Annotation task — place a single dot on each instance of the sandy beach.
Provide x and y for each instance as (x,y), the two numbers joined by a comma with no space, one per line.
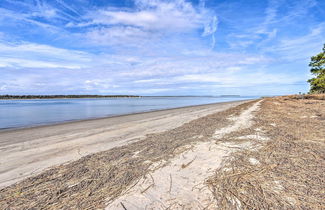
(28,151)
(260,154)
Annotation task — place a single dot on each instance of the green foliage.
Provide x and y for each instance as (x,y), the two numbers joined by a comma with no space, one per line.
(317,64)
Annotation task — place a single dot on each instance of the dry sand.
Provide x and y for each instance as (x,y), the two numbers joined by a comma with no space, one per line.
(26,152)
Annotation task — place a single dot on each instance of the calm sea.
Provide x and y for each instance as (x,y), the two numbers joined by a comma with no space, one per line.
(26,113)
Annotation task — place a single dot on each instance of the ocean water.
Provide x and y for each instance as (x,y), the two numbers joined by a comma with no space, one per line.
(28,113)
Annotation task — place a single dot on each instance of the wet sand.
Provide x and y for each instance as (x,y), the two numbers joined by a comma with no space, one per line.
(28,151)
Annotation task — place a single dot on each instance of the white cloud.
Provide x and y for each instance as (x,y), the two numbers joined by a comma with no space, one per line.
(210,30)
(168,17)
(8,16)
(100,84)
(223,80)
(148,91)
(41,56)
(42,9)
(173,16)
(118,35)
(191,63)
(3,87)
(150,19)
(301,47)
(21,63)
(141,81)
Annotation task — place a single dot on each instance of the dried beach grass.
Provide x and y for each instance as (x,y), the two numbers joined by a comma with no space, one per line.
(285,172)
(308,96)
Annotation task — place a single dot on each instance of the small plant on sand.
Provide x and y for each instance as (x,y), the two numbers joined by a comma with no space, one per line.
(317,64)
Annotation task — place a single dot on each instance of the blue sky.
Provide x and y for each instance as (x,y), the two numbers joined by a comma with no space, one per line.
(157,47)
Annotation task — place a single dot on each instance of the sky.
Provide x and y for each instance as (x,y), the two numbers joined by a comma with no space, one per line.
(159,47)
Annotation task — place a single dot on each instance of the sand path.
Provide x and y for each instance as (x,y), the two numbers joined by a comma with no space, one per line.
(180,184)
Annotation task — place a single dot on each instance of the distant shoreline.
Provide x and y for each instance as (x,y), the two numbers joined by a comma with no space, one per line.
(20,97)
(8,97)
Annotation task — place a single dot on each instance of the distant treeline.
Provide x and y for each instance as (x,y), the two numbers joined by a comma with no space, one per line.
(63,96)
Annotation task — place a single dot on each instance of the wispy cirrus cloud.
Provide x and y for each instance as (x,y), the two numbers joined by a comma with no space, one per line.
(300,47)
(277,18)
(32,55)
(148,20)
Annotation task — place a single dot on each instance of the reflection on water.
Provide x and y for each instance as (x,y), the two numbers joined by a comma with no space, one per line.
(22,113)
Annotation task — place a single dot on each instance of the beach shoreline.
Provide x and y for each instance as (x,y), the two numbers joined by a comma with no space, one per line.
(9,129)
(28,151)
